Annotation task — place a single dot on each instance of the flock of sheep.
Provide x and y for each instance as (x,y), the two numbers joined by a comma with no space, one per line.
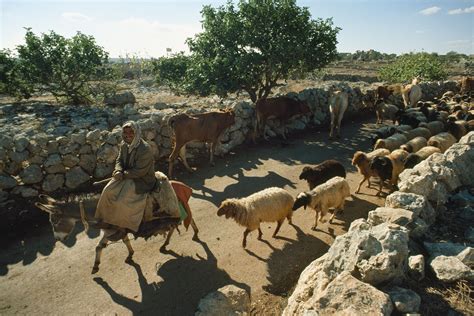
(424,128)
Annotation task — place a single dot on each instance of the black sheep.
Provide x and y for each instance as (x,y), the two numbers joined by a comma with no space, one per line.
(322,172)
(383,167)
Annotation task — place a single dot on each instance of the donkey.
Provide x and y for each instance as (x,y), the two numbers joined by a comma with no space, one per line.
(63,216)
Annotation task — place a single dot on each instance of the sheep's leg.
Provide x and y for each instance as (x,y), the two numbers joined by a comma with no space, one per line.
(195,229)
(324,211)
(182,154)
(340,207)
(360,184)
(278,227)
(289,218)
(315,221)
(260,234)
(244,241)
(127,243)
(380,188)
(98,252)
(167,241)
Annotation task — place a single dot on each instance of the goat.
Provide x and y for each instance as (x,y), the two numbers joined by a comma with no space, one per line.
(362,161)
(411,94)
(382,167)
(338,103)
(385,111)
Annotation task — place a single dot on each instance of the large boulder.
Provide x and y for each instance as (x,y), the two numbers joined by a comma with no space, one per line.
(75,177)
(53,182)
(451,269)
(228,300)
(31,174)
(404,300)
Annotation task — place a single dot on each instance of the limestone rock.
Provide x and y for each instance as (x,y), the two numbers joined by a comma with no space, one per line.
(416,267)
(451,269)
(228,300)
(53,182)
(404,300)
(31,174)
(75,177)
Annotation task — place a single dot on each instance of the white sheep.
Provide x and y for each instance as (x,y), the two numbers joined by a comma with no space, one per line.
(391,143)
(269,205)
(442,140)
(398,157)
(332,193)
(414,144)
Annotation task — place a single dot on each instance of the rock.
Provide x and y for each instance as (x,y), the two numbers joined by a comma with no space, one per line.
(7,182)
(103,170)
(120,99)
(69,148)
(376,253)
(86,149)
(404,300)
(79,138)
(70,161)
(87,162)
(62,140)
(345,295)
(467,139)
(21,143)
(25,192)
(3,196)
(397,216)
(107,154)
(418,204)
(228,300)
(93,136)
(469,234)
(31,174)
(451,269)
(460,158)
(467,257)
(53,182)
(52,147)
(416,267)
(75,177)
(6,141)
(19,156)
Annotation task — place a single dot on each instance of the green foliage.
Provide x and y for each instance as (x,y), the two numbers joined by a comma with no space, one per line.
(171,71)
(407,66)
(134,67)
(67,68)
(252,46)
(10,80)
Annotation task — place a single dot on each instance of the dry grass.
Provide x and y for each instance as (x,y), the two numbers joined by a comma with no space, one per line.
(459,296)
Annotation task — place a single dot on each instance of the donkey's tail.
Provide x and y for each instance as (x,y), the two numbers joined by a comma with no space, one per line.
(83,216)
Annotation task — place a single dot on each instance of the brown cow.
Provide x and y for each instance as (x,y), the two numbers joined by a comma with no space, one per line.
(466,85)
(383,92)
(282,108)
(204,127)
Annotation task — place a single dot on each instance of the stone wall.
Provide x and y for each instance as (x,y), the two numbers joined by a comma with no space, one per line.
(44,148)
(373,256)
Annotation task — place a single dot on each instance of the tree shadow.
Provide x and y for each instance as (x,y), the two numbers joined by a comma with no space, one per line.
(177,294)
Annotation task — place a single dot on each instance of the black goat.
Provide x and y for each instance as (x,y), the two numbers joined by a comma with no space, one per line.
(322,172)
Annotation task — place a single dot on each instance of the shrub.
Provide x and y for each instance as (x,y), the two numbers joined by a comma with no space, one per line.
(427,66)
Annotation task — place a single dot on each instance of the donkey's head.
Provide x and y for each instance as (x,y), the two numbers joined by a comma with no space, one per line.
(62,224)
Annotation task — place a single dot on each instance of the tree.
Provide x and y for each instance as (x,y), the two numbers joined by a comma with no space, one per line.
(10,80)
(64,67)
(253,46)
(407,66)
(171,71)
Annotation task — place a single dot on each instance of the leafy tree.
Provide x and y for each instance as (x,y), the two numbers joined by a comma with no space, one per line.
(408,66)
(67,68)
(171,71)
(254,44)
(10,80)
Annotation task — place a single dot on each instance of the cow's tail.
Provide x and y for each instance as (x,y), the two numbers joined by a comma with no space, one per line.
(83,215)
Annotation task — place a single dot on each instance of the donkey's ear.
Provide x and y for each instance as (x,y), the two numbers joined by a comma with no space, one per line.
(46,199)
(45,207)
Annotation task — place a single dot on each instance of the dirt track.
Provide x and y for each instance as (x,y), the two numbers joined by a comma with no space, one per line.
(41,276)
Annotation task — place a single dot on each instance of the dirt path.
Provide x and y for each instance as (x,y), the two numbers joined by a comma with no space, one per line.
(43,277)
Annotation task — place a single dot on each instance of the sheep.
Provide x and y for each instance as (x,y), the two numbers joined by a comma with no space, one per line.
(385,111)
(469,126)
(330,194)
(414,158)
(398,158)
(416,132)
(414,144)
(412,118)
(403,128)
(362,161)
(435,127)
(383,132)
(322,172)
(457,128)
(442,140)
(381,167)
(269,205)
(391,143)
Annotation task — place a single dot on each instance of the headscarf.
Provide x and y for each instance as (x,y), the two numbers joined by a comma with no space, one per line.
(137,131)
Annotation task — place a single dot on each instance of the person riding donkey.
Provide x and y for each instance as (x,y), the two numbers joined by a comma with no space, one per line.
(123,200)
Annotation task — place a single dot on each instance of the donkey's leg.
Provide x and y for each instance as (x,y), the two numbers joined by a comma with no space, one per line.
(98,251)
(127,243)
(167,241)
(195,229)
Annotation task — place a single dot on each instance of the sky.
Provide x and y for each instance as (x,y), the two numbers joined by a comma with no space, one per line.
(146,28)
